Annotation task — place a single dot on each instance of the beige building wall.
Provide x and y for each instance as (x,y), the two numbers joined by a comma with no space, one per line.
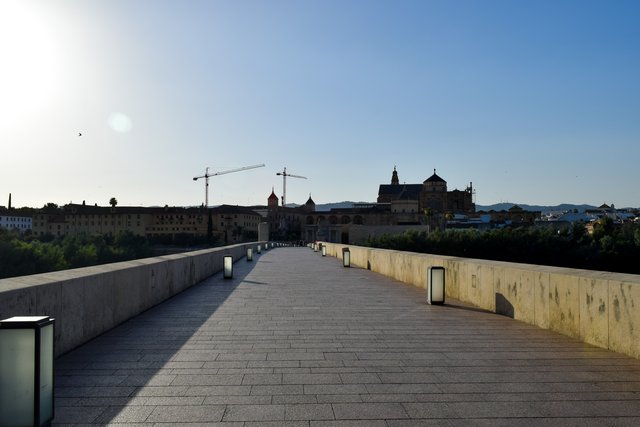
(78,219)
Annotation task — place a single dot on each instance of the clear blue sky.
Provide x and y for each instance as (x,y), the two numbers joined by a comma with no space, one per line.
(534,101)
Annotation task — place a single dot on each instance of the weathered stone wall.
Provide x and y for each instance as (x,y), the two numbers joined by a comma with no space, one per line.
(599,308)
(87,302)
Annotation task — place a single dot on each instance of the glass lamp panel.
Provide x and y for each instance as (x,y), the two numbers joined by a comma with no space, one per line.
(17,372)
(437,284)
(228,267)
(46,373)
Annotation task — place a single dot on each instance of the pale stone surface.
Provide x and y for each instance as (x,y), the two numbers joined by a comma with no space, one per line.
(482,285)
(541,298)
(564,306)
(455,284)
(624,317)
(592,306)
(518,289)
(296,339)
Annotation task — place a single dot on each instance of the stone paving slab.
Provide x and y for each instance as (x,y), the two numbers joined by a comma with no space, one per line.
(295,339)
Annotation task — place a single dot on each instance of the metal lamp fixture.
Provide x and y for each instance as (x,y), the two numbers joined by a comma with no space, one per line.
(227,267)
(315,247)
(346,257)
(435,285)
(324,250)
(249,254)
(26,371)
(259,249)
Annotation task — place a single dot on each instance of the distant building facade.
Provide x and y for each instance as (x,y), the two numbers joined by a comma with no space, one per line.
(233,223)
(15,221)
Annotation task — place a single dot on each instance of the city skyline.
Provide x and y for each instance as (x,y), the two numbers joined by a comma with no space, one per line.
(532,102)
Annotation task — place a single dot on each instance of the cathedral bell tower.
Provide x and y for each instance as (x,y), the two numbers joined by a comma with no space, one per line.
(272,201)
(394,177)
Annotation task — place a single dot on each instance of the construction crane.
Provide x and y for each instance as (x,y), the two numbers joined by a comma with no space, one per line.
(208,175)
(284,184)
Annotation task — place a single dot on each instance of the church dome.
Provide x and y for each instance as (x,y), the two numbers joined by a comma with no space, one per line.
(434,178)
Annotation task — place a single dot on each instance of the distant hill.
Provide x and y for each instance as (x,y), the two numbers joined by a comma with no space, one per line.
(325,207)
(561,207)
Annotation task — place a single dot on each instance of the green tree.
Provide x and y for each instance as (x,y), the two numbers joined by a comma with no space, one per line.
(50,208)
(602,227)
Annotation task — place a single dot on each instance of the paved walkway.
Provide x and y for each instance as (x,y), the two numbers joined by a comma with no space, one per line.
(295,339)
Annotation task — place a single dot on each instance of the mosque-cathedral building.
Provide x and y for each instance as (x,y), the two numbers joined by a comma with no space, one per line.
(431,195)
(398,207)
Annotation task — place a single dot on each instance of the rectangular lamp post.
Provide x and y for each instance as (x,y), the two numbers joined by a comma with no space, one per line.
(346,257)
(249,254)
(435,285)
(259,249)
(315,247)
(227,267)
(26,371)
(324,250)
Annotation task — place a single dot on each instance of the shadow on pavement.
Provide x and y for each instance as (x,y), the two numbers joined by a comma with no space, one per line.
(98,380)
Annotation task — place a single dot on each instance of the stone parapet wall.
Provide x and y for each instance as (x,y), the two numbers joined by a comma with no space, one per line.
(598,308)
(87,302)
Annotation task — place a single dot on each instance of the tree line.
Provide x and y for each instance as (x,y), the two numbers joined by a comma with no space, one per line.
(24,255)
(611,247)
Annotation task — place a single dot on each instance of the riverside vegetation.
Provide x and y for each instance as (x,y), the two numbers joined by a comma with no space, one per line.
(24,255)
(611,247)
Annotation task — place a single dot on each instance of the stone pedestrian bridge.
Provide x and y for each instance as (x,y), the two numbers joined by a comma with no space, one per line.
(295,339)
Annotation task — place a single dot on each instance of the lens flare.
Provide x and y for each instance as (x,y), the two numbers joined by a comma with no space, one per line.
(120,122)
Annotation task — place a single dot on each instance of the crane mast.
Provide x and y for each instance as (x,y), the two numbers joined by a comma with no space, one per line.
(208,175)
(284,184)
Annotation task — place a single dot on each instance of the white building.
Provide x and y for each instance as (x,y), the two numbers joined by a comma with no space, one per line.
(15,222)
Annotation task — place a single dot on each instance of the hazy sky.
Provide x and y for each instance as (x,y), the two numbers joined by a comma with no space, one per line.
(534,101)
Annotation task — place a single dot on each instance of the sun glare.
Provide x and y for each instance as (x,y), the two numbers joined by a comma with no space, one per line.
(29,63)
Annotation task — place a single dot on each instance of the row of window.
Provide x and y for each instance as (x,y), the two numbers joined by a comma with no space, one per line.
(21,226)
(14,219)
(70,217)
(246,224)
(99,223)
(164,229)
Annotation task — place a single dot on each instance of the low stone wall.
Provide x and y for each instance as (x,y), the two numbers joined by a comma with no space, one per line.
(87,302)
(596,307)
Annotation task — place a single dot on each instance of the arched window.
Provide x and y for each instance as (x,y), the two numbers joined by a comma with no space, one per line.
(358,220)
(333,220)
(309,220)
(345,219)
